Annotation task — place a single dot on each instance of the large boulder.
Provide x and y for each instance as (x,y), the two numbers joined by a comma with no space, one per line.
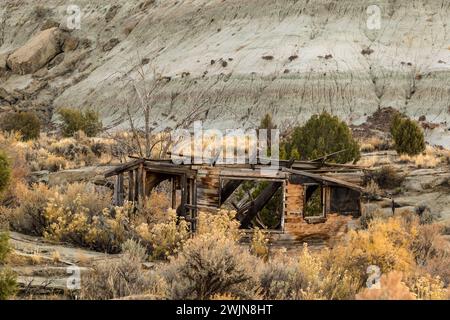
(36,53)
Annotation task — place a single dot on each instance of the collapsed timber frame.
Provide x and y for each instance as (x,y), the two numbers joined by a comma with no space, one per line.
(197,188)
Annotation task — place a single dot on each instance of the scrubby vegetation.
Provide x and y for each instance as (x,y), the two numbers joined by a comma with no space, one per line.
(76,120)
(386,177)
(220,261)
(213,264)
(117,279)
(25,123)
(8,284)
(5,171)
(321,135)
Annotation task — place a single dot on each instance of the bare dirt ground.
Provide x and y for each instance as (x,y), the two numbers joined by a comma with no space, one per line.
(44,267)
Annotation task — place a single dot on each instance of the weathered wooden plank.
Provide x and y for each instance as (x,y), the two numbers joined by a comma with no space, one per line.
(324,179)
(174,192)
(228,189)
(130,186)
(122,168)
(141,181)
(181,210)
(294,194)
(136,185)
(118,190)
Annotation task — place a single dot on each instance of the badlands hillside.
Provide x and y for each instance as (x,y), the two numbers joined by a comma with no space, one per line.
(226,62)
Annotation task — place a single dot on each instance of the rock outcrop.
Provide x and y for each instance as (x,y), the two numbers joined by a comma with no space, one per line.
(3,65)
(36,53)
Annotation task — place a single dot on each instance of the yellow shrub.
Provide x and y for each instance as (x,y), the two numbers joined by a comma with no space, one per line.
(165,238)
(425,287)
(222,222)
(259,244)
(385,243)
(53,163)
(155,209)
(74,215)
(16,152)
(28,217)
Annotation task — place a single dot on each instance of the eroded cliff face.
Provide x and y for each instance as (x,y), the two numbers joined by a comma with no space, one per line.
(229,62)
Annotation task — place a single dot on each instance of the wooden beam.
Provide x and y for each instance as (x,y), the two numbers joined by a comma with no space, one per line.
(228,189)
(259,203)
(326,180)
(124,167)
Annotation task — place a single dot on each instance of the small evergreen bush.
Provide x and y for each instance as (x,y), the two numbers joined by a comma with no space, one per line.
(26,123)
(408,136)
(76,120)
(321,135)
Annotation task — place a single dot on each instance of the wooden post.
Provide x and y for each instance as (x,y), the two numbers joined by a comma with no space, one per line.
(118,190)
(121,189)
(136,185)
(174,192)
(181,210)
(130,185)
(194,204)
(326,200)
(143,179)
(140,185)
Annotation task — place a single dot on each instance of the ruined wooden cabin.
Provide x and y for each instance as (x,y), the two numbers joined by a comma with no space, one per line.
(196,188)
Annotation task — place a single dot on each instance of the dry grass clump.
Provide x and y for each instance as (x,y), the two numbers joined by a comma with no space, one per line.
(430,158)
(367,162)
(386,177)
(374,144)
(259,244)
(373,188)
(29,216)
(213,263)
(123,277)
(54,154)
(306,278)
